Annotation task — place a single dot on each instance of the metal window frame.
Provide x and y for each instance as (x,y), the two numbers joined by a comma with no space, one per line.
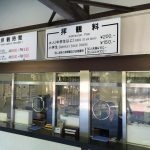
(84,105)
(12,99)
(124,108)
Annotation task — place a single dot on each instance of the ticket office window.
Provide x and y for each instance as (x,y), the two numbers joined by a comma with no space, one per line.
(5,97)
(138,108)
(33,99)
(106,105)
(67,99)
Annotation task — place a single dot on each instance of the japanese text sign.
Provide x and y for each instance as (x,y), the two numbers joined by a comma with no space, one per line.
(18,47)
(93,39)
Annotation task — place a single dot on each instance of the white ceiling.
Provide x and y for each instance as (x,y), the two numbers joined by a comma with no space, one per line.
(94,10)
(20,13)
(128,3)
(125,2)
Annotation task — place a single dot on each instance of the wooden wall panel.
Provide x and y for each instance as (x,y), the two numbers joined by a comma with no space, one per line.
(115,63)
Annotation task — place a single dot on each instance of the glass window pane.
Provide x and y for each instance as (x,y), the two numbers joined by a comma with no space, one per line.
(67,99)
(33,99)
(5,97)
(138,108)
(138,77)
(106,104)
(106,77)
(43,77)
(138,105)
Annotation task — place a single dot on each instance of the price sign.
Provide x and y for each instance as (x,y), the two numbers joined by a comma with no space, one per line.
(18,47)
(91,39)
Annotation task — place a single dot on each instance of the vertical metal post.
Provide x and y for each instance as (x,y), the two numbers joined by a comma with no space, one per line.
(54,101)
(12,98)
(124,108)
(84,105)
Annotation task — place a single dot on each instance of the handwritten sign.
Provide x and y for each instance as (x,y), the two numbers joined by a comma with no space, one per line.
(18,47)
(91,39)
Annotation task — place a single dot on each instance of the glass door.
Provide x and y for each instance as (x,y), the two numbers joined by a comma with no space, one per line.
(106,105)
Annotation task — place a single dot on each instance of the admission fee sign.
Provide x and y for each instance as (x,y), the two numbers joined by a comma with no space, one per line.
(92,39)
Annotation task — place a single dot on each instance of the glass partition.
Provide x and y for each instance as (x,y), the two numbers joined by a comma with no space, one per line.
(67,99)
(106,108)
(5,97)
(33,99)
(138,107)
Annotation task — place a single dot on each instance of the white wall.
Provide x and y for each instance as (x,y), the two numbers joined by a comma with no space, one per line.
(127,3)
(124,2)
(9,141)
(135,34)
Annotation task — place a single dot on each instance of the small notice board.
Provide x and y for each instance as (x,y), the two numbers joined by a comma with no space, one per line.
(18,47)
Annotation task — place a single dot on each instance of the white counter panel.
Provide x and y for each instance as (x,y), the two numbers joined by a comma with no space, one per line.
(10,141)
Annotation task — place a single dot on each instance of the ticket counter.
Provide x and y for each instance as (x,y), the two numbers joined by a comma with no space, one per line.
(53,101)
(51,104)
(78,106)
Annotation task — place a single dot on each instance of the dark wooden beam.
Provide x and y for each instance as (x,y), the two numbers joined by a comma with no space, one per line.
(87,9)
(106,14)
(116,12)
(32,27)
(65,9)
(100,4)
(79,12)
(141,7)
(115,63)
(52,17)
